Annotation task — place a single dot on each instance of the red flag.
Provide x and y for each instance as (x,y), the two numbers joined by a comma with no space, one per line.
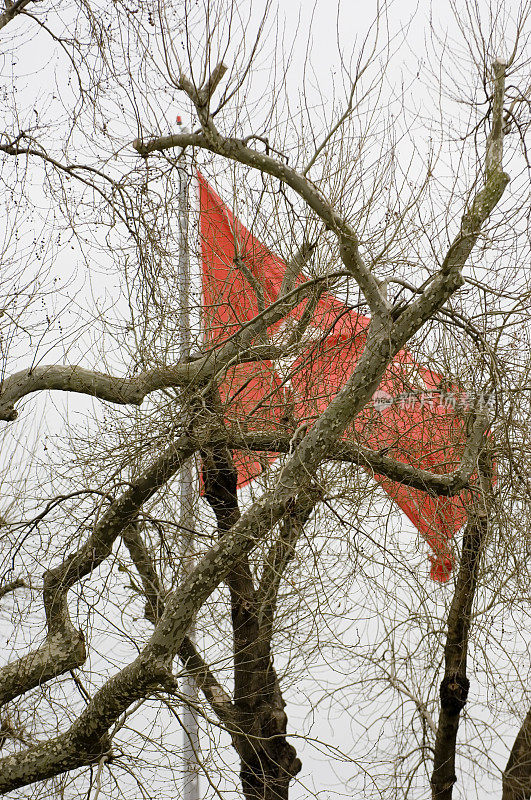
(251,393)
(411,415)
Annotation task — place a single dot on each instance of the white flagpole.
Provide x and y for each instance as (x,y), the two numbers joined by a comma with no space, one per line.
(190,747)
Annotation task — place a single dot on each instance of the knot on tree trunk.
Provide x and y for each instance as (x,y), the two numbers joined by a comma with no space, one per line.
(273,721)
(268,774)
(268,762)
(454,693)
(93,748)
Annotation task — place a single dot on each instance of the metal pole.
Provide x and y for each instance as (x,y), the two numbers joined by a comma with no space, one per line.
(187,493)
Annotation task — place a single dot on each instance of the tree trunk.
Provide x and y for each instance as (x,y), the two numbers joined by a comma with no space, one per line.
(455,684)
(517,775)
(267,761)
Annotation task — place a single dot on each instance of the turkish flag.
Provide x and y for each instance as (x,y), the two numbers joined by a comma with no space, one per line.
(412,414)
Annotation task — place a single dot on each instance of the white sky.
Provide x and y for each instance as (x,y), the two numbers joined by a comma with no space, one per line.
(328,780)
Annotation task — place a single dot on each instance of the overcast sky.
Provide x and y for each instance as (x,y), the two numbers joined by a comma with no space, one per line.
(329,721)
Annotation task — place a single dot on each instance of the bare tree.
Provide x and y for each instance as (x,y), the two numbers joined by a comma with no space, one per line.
(418,226)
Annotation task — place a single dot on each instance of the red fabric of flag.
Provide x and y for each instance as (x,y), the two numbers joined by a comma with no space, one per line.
(252,394)
(411,416)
